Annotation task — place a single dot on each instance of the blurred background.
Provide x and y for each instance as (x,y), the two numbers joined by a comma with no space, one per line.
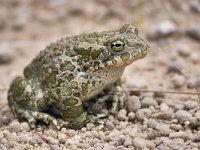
(170,27)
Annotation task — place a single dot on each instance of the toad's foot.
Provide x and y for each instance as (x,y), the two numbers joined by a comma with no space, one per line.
(33,116)
(119,97)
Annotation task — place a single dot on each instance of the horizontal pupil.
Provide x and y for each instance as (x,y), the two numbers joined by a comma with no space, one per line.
(117,45)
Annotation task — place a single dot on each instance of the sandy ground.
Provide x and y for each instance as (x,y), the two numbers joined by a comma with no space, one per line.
(156,121)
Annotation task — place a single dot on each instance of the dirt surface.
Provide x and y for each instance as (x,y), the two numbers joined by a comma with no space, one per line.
(156,121)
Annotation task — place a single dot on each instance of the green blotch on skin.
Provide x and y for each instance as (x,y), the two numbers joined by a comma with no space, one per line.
(58,52)
(29,95)
(135,53)
(23,103)
(69,52)
(91,40)
(19,86)
(52,77)
(71,101)
(94,83)
(66,65)
(125,56)
(114,62)
(41,103)
(95,53)
(73,112)
(84,88)
(70,77)
(74,85)
(77,125)
(82,51)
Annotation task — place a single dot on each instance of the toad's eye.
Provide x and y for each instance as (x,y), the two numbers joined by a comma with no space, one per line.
(117,45)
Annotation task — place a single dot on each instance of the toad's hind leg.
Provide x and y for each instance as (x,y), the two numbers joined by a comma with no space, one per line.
(26,100)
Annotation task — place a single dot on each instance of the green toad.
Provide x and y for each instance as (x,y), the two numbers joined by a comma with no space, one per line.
(73,70)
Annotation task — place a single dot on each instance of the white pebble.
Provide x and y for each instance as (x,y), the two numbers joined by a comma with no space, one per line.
(15,126)
(151,123)
(178,81)
(24,138)
(150,144)
(101,135)
(184,50)
(122,115)
(190,104)
(62,137)
(143,113)
(131,116)
(89,126)
(148,101)
(182,116)
(128,142)
(133,104)
(139,143)
(180,134)
(164,107)
(25,126)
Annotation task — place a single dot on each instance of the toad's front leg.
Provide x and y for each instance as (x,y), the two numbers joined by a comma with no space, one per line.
(119,96)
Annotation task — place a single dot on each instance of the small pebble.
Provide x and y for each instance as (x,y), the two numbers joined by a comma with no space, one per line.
(128,142)
(180,134)
(89,126)
(148,101)
(143,113)
(162,29)
(24,138)
(133,104)
(71,132)
(131,116)
(62,137)
(150,144)
(178,81)
(120,139)
(195,57)
(195,121)
(182,116)
(101,135)
(164,107)
(15,126)
(175,127)
(139,143)
(6,54)
(190,104)
(194,32)
(184,50)
(24,126)
(109,125)
(151,123)
(122,115)
(152,134)
(167,114)
(164,130)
